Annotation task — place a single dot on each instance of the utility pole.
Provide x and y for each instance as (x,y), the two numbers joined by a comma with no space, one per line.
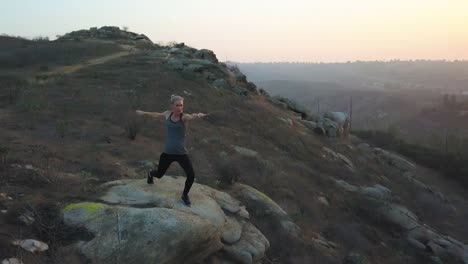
(318,106)
(350,112)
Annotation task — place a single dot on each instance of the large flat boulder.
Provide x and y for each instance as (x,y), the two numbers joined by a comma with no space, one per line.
(139,223)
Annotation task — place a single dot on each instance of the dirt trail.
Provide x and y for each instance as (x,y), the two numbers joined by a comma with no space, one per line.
(73,68)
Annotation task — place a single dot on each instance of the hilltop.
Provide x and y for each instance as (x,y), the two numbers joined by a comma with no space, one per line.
(68,125)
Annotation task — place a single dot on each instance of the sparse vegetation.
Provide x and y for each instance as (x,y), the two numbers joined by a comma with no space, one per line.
(453,163)
(132,126)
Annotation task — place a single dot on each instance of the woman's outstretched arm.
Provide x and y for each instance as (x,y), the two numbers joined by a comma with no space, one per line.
(187,117)
(156,115)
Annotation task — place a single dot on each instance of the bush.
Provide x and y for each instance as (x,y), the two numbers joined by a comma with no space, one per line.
(132,128)
(229,173)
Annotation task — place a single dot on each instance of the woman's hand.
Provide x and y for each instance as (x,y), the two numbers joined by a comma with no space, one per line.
(139,112)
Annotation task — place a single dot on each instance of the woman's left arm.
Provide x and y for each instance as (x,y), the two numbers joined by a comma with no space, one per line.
(187,117)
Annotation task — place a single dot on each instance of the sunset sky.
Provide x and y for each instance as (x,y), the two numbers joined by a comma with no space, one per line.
(265,30)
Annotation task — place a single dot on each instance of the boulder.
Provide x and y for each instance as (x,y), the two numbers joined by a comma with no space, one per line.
(245,151)
(12,261)
(338,117)
(189,65)
(394,160)
(221,84)
(418,235)
(261,205)
(205,54)
(294,106)
(31,245)
(141,223)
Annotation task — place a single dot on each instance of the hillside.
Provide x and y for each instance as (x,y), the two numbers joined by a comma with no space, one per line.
(68,125)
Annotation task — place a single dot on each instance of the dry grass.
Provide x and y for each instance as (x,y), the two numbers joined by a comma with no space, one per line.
(79,130)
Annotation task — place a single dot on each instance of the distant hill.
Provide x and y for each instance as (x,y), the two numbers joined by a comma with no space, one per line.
(393,75)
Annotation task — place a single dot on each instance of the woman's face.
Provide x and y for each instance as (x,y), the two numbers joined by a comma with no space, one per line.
(178,106)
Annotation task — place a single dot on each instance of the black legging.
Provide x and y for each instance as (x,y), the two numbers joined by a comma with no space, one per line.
(165,161)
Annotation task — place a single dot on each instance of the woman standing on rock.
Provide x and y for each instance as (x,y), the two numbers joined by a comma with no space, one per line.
(174,148)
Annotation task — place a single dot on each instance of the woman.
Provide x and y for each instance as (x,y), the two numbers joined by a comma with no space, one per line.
(174,148)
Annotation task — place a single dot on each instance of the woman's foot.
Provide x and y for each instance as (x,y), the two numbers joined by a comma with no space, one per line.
(186,200)
(149,178)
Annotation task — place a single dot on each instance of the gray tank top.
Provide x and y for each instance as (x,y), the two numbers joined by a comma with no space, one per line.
(175,137)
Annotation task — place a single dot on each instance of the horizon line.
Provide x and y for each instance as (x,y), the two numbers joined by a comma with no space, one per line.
(349,61)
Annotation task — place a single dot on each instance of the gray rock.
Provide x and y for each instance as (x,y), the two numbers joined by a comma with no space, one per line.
(210,76)
(419,235)
(332,128)
(12,261)
(176,64)
(250,248)
(416,244)
(194,68)
(182,52)
(189,65)
(294,106)
(105,32)
(239,90)
(338,117)
(205,54)
(245,151)
(377,192)
(238,75)
(323,200)
(309,124)
(399,215)
(141,223)
(221,84)
(288,121)
(261,205)
(346,186)
(394,160)
(346,160)
(232,231)
(31,245)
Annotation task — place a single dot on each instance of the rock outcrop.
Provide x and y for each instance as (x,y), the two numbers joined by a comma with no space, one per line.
(104,33)
(140,223)
(265,208)
(204,62)
(418,235)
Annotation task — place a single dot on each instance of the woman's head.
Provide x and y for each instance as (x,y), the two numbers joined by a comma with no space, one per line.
(177,103)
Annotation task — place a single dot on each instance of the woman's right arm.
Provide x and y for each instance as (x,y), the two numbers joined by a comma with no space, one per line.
(153,114)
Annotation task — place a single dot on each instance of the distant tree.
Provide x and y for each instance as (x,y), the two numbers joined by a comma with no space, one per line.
(41,38)
(125,28)
(393,131)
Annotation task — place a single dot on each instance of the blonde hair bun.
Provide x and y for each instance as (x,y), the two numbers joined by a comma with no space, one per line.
(175,98)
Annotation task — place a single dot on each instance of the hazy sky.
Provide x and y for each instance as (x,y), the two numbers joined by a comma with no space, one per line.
(265,30)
